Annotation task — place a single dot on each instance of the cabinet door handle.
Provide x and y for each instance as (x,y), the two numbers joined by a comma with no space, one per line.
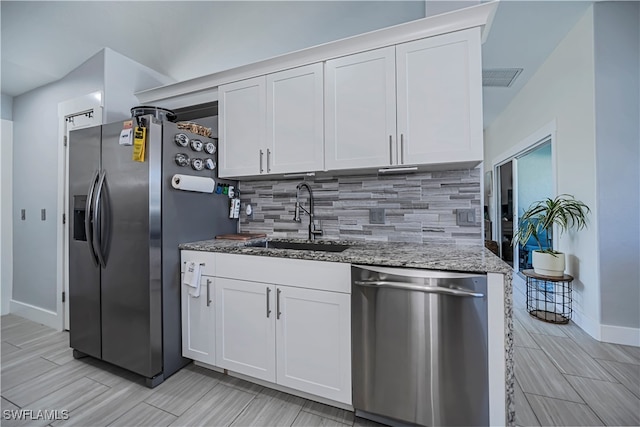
(268,160)
(268,298)
(208,293)
(278,304)
(401,149)
(390,150)
(261,154)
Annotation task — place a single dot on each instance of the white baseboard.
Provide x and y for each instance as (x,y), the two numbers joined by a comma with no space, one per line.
(620,335)
(587,324)
(35,314)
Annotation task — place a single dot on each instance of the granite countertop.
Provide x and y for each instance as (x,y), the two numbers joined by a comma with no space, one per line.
(432,256)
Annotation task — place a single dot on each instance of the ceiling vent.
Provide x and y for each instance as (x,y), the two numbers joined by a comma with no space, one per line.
(500,77)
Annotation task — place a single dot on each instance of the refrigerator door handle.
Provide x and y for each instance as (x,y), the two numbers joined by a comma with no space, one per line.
(97,238)
(88,218)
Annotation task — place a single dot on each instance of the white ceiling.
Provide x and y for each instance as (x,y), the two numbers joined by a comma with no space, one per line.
(43,41)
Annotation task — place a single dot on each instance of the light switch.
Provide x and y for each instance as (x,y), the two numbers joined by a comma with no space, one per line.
(376,216)
(466,217)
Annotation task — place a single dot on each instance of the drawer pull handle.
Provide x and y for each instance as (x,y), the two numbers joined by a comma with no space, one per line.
(278,313)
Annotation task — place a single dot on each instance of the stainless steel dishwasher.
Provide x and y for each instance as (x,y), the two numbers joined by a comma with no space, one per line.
(419,346)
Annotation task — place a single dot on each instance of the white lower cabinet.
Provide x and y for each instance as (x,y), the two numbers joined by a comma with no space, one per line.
(245,338)
(266,318)
(198,323)
(313,342)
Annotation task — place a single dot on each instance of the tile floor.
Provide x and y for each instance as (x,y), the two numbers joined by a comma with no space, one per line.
(564,377)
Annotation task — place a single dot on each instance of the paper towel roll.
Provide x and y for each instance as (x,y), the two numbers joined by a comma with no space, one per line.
(199,184)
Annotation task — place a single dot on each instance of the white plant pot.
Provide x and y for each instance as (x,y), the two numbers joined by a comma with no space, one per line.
(547,264)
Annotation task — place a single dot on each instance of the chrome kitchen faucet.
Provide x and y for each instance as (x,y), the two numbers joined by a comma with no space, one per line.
(313,231)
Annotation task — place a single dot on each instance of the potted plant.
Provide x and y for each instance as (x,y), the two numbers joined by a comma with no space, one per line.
(537,223)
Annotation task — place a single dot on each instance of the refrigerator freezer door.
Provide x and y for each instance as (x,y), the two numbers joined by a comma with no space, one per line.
(84,272)
(130,241)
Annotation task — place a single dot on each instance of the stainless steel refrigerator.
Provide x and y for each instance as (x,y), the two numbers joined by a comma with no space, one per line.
(126,221)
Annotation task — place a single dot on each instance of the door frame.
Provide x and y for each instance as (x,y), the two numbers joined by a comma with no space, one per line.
(546,133)
(92,102)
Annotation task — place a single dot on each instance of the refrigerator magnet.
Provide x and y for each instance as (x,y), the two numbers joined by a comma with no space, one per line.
(126,137)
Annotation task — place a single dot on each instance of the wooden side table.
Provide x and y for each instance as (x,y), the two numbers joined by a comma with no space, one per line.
(548,297)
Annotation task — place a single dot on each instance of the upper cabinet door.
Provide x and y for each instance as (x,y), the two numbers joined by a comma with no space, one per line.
(440,99)
(360,110)
(241,120)
(295,122)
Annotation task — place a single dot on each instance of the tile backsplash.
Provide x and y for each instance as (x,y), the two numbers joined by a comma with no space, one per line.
(418,208)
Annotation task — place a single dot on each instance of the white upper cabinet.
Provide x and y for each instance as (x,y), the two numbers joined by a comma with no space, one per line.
(241,121)
(360,110)
(295,122)
(417,103)
(272,124)
(439,98)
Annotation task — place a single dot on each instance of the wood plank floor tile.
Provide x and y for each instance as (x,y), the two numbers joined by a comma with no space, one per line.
(19,373)
(628,374)
(240,384)
(270,408)
(307,419)
(9,320)
(522,337)
(26,333)
(110,375)
(6,405)
(179,392)
(219,407)
(330,412)
(67,398)
(634,352)
(44,346)
(613,403)
(60,357)
(7,349)
(533,325)
(524,414)
(538,375)
(108,407)
(554,412)
(144,415)
(571,359)
(597,349)
(36,388)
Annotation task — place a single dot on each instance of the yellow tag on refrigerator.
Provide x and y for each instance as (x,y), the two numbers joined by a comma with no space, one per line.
(139,139)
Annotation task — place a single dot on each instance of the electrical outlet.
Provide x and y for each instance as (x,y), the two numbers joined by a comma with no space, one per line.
(466,217)
(376,216)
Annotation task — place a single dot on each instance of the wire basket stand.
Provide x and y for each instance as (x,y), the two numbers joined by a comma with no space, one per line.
(549,298)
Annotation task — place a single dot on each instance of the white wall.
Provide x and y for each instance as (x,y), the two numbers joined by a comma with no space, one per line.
(35,182)
(563,90)
(6,109)
(6,221)
(617,78)
(124,77)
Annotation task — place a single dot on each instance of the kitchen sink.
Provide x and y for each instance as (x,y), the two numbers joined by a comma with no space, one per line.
(300,246)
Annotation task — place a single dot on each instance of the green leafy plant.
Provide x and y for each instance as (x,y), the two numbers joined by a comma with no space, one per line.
(564,211)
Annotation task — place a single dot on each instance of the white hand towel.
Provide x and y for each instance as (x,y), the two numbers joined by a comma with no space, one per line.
(192,278)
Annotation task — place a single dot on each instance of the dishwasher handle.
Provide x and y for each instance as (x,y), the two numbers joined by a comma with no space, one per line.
(421,288)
